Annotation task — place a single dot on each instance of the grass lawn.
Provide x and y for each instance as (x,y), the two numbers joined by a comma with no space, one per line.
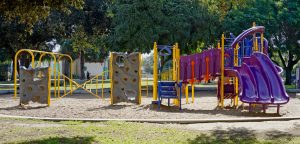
(69,132)
(290,86)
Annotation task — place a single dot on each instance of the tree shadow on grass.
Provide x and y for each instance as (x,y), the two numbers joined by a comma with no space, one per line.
(277,135)
(241,136)
(230,136)
(62,140)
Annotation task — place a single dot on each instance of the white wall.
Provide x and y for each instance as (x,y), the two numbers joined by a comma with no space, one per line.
(93,68)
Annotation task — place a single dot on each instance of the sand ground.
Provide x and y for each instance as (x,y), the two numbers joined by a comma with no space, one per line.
(88,106)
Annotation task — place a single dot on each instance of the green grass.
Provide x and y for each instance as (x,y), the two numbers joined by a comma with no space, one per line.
(290,86)
(6,82)
(111,132)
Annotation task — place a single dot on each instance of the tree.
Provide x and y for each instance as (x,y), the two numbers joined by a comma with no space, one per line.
(282,21)
(29,12)
(87,30)
(25,24)
(217,19)
(14,37)
(286,34)
(138,23)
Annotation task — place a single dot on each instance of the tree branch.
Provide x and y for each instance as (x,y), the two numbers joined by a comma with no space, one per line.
(281,59)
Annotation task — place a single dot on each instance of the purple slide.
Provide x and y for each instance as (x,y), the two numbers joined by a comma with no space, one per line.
(260,81)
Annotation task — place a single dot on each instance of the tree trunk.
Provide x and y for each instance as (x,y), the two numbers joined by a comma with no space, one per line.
(82,75)
(24,61)
(288,75)
(66,68)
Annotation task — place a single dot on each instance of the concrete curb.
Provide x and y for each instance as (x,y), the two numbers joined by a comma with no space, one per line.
(159,121)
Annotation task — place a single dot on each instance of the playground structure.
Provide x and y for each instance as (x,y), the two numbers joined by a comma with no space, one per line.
(125,77)
(35,82)
(35,89)
(56,57)
(166,87)
(240,64)
(243,68)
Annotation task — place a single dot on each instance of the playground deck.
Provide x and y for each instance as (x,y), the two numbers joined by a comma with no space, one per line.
(87,106)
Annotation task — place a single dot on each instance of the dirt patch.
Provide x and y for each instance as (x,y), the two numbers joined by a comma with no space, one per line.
(87,106)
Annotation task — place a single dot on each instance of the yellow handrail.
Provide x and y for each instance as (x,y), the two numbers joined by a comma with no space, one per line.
(43,53)
(15,68)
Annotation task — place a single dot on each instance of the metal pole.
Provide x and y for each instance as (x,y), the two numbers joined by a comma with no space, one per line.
(222,71)
(155,71)
(262,42)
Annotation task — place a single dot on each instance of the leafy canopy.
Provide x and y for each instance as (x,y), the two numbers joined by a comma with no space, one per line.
(31,11)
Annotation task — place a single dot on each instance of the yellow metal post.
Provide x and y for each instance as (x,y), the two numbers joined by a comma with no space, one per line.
(236,79)
(178,62)
(187,93)
(222,71)
(65,88)
(236,91)
(193,93)
(254,38)
(49,86)
(219,45)
(155,78)
(177,65)
(236,55)
(174,63)
(58,85)
(256,44)
(262,41)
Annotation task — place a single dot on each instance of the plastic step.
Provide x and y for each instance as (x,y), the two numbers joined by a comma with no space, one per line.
(168,88)
(168,93)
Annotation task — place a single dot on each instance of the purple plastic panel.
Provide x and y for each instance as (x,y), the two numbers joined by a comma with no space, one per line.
(198,62)
(203,65)
(249,93)
(183,68)
(200,67)
(189,67)
(211,61)
(229,54)
(277,88)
